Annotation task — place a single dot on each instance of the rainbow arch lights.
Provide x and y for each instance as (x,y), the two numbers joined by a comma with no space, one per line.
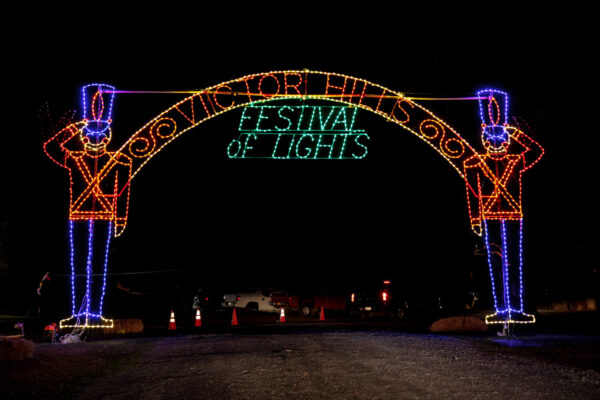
(101,179)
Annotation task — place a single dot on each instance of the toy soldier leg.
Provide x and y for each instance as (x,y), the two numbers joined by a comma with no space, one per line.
(504,251)
(102,234)
(513,259)
(494,246)
(513,233)
(89,242)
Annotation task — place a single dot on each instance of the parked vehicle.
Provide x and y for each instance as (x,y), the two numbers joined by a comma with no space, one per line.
(207,299)
(252,299)
(377,300)
(384,300)
(306,303)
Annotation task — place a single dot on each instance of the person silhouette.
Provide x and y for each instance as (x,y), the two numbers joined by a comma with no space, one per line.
(493,182)
(99,186)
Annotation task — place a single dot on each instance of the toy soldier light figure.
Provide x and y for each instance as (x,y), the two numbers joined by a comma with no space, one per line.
(99,195)
(494,200)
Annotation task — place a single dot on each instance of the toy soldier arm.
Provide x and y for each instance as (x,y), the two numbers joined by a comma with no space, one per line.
(122,193)
(533,151)
(471,169)
(54,147)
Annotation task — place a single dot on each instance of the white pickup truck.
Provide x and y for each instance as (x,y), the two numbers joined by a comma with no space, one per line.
(252,299)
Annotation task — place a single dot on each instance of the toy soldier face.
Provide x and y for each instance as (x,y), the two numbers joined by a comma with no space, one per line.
(495,139)
(95,140)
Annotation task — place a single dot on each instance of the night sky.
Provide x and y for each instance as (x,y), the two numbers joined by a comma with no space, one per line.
(400,213)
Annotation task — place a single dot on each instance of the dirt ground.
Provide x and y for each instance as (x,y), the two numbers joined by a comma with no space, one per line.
(311,364)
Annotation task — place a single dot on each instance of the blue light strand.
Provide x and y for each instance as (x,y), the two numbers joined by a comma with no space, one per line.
(100,87)
(490,94)
(487,247)
(521,264)
(72,267)
(490,130)
(89,267)
(505,267)
(105,266)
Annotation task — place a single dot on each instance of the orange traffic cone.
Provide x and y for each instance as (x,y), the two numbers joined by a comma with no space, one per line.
(322,316)
(198,323)
(234,320)
(172,326)
(282,315)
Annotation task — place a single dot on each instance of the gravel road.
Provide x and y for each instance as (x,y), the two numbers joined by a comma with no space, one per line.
(347,365)
(337,365)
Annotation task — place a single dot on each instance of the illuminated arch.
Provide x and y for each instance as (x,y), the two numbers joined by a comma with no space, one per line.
(394,107)
(295,84)
(496,203)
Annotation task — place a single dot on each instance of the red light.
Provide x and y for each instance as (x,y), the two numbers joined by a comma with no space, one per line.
(238,298)
(384,296)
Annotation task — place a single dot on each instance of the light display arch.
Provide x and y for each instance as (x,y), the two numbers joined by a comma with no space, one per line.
(108,192)
(295,84)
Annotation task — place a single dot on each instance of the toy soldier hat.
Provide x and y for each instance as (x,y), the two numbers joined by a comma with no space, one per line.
(493,107)
(97,106)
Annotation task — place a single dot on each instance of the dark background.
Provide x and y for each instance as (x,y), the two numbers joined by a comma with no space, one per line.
(207,221)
